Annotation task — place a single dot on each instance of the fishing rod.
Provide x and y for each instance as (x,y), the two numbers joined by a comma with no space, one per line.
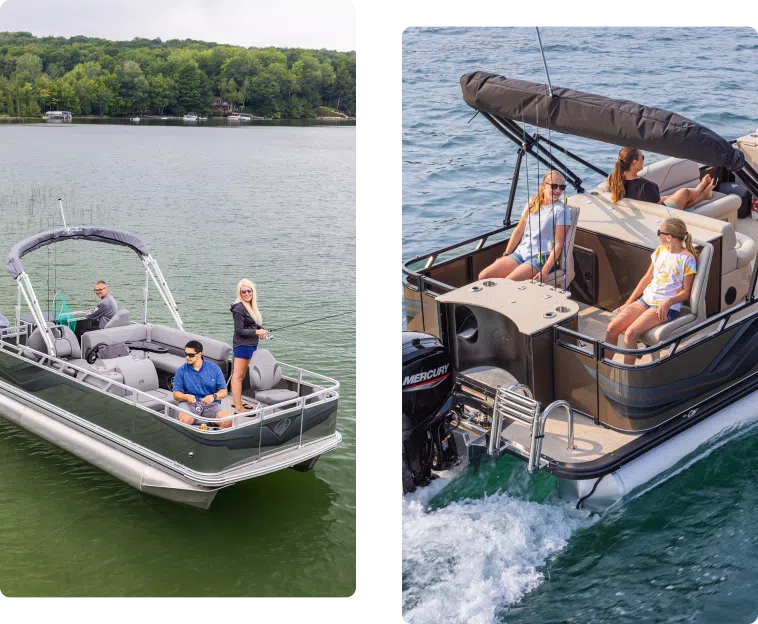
(322,318)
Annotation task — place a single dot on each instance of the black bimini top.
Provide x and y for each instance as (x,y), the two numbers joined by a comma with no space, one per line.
(100,235)
(619,122)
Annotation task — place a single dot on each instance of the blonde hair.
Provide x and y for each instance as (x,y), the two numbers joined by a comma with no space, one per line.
(252,307)
(536,202)
(623,164)
(678,229)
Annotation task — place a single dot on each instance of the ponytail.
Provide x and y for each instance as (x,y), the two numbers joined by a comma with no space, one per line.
(678,228)
(688,245)
(623,164)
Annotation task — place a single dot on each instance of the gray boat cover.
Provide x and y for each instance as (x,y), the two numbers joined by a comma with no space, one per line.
(619,122)
(100,235)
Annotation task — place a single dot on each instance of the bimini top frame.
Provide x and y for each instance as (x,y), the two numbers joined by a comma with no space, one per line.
(99,235)
(506,102)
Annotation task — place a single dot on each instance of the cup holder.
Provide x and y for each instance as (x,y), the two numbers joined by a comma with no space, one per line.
(475,288)
(562,309)
(489,284)
(549,315)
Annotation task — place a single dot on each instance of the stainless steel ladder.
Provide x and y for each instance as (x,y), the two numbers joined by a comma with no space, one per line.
(516,403)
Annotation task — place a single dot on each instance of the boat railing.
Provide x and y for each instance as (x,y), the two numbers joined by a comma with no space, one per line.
(132,395)
(516,403)
(599,349)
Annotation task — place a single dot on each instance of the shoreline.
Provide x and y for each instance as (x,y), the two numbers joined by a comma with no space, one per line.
(173,118)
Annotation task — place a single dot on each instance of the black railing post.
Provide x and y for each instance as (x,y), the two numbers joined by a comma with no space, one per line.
(514,184)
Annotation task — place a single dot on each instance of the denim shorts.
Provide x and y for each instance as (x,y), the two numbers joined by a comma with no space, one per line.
(244,352)
(670,203)
(533,260)
(671,315)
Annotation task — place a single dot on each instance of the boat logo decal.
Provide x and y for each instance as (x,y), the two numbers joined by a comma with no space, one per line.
(427,379)
(282,426)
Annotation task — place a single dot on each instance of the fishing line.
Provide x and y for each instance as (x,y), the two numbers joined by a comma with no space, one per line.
(527,212)
(312,320)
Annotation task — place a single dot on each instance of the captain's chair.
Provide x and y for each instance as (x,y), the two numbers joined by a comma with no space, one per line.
(265,373)
(690,315)
(569,252)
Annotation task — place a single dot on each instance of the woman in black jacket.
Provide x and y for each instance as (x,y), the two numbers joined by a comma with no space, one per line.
(247,331)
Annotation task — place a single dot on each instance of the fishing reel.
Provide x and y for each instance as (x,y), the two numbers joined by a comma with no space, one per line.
(268,336)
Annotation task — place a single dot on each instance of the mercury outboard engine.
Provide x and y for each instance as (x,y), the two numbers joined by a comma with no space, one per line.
(427,403)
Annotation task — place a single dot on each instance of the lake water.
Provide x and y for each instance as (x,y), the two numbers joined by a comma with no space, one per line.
(498,546)
(275,204)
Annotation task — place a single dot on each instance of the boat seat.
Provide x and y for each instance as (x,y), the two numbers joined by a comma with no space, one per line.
(64,340)
(265,373)
(689,315)
(557,275)
(672,174)
(120,319)
(141,375)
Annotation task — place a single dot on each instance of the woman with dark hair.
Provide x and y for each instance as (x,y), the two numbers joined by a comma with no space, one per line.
(624,182)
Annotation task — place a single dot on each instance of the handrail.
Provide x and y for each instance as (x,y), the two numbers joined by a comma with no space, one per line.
(542,419)
(602,346)
(133,393)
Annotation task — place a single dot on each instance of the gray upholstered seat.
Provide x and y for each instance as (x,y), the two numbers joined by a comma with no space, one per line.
(141,374)
(120,319)
(689,315)
(265,373)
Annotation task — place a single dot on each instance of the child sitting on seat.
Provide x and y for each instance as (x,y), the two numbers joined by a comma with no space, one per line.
(659,295)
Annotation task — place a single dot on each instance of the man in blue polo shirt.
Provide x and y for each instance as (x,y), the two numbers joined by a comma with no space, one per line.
(200,386)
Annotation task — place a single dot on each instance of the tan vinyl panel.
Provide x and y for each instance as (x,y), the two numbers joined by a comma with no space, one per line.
(575,379)
(524,303)
(482,259)
(453,272)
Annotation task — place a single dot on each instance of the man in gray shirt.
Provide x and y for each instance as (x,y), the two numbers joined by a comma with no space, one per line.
(106,309)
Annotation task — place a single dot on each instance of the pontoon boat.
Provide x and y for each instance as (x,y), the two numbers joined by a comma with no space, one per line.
(105,395)
(497,366)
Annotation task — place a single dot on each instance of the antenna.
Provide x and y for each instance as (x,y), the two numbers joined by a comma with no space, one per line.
(549,86)
(62,214)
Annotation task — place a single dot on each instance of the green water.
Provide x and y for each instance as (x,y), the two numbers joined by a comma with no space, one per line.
(275,204)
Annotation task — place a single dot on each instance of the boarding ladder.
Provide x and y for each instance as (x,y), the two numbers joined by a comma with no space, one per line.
(516,403)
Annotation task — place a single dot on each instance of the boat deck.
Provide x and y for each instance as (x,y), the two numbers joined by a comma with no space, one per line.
(591,441)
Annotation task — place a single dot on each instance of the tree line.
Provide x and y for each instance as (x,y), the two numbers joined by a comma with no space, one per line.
(90,76)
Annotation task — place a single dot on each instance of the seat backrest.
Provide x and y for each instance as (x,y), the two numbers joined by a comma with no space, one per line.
(37,342)
(139,374)
(133,331)
(177,338)
(569,245)
(265,371)
(670,173)
(697,296)
(120,319)
(67,346)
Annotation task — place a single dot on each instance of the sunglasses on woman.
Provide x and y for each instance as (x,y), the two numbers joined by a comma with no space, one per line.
(555,187)
(246,292)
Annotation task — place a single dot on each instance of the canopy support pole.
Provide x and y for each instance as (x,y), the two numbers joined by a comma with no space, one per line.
(162,287)
(26,289)
(18,310)
(144,293)
(514,184)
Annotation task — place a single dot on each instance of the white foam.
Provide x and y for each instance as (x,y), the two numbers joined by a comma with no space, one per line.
(469,561)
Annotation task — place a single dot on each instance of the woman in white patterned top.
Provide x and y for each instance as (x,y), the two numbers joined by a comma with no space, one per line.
(659,295)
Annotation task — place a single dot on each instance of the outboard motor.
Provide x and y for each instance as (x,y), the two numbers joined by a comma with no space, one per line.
(428,382)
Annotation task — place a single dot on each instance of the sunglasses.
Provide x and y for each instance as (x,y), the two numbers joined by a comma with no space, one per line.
(246,292)
(189,355)
(658,233)
(555,187)
(99,289)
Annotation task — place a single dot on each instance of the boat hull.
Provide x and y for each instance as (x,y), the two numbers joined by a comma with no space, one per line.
(132,470)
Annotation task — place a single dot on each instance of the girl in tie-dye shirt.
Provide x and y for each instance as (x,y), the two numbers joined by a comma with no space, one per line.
(659,295)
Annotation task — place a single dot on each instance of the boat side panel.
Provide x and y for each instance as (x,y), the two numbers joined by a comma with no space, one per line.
(131,426)
(576,377)
(643,397)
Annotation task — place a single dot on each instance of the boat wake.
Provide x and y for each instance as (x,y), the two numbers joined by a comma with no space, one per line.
(470,560)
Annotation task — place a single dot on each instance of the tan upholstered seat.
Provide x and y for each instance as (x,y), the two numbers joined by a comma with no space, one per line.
(672,174)
(569,254)
(689,315)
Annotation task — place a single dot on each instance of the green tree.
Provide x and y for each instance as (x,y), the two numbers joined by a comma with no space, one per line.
(135,90)
(162,92)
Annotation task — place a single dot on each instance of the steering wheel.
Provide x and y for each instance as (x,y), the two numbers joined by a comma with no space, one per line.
(92,353)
